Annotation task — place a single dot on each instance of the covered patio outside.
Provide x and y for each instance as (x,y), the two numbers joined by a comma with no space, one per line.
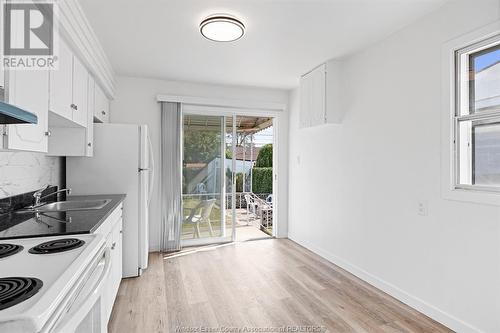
(202,177)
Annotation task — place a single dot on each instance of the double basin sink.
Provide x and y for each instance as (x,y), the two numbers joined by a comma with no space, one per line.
(66,206)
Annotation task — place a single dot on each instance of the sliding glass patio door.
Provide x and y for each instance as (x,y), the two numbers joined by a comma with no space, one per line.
(207,179)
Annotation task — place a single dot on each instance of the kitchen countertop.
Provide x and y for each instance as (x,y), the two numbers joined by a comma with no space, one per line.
(24,225)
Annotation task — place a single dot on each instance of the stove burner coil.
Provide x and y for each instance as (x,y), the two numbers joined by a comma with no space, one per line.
(9,249)
(14,290)
(56,246)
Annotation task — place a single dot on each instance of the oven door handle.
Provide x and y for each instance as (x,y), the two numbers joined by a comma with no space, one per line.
(78,310)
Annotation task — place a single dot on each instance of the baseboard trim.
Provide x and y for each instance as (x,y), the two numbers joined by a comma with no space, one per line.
(401,295)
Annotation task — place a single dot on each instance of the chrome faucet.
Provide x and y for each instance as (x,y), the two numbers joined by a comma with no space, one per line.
(38,195)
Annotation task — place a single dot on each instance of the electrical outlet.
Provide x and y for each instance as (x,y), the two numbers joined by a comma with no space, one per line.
(423,208)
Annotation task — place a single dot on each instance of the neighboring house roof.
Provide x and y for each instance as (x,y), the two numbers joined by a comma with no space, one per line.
(247,153)
(487,87)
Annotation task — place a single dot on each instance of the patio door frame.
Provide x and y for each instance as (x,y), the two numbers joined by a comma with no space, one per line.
(234,112)
(223,238)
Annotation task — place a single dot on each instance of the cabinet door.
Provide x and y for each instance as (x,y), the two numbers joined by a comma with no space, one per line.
(113,283)
(107,299)
(2,98)
(80,82)
(117,258)
(90,116)
(313,98)
(101,111)
(29,89)
(61,94)
(2,78)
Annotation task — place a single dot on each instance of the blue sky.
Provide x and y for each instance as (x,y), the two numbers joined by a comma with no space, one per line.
(486,60)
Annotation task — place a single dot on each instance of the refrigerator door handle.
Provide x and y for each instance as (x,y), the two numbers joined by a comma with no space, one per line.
(152,170)
(143,169)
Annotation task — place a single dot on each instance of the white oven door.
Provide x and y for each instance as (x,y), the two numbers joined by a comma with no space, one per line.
(82,312)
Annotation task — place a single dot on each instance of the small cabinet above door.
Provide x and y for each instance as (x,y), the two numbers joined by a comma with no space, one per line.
(321,95)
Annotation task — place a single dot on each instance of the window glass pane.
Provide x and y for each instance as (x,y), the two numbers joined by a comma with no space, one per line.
(479,153)
(486,154)
(201,176)
(464,158)
(484,87)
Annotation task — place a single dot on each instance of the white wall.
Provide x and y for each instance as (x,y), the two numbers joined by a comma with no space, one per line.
(22,172)
(354,187)
(135,102)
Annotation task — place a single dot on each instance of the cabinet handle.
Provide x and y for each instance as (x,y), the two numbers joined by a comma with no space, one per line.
(89,144)
(73,106)
(121,231)
(103,113)
(113,246)
(48,133)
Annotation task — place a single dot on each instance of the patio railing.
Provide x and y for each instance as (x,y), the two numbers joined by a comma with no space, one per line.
(263,210)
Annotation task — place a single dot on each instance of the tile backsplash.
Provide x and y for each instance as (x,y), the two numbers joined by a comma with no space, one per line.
(22,172)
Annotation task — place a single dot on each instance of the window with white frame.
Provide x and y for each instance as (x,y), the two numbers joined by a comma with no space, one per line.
(477,116)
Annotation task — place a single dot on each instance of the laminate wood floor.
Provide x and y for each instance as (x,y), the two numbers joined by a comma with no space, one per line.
(257,284)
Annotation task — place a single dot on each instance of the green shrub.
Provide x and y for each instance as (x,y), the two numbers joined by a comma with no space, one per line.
(239,182)
(265,157)
(262,180)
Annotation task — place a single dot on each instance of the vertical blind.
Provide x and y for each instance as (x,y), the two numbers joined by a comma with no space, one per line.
(171,178)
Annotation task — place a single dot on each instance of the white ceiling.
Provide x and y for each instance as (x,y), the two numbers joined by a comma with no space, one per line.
(284,39)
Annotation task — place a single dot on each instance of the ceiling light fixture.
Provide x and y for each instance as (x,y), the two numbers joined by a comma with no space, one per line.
(222,28)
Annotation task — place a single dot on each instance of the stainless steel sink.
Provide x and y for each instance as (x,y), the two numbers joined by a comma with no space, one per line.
(64,206)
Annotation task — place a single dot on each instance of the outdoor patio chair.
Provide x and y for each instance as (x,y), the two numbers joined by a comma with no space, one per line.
(252,206)
(269,199)
(201,214)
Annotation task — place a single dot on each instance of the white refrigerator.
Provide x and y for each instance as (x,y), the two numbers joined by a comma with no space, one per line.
(122,163)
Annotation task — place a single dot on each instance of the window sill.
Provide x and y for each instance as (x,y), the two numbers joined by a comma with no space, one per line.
(473,195)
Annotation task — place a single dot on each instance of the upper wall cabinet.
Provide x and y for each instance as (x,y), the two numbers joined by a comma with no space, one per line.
(67,99)
(28,90)
(101,106)
(76,141)
(61,87)
(313,97)
(2,79)
(68,90)
(80,83)
(320,96)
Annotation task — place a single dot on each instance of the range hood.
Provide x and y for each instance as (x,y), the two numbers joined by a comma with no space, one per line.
(10,114)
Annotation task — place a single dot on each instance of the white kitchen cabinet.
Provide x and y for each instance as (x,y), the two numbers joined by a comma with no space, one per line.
(116,270)
(61,86)
(89,143)
(2,98)
(80,89)
(313,97)
(2,78)
(321,96)
(112,230)
(28,90)
(68,91)
(76,141)
(101,105)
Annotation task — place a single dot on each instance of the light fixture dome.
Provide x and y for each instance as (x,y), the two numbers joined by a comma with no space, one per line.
(222,28)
